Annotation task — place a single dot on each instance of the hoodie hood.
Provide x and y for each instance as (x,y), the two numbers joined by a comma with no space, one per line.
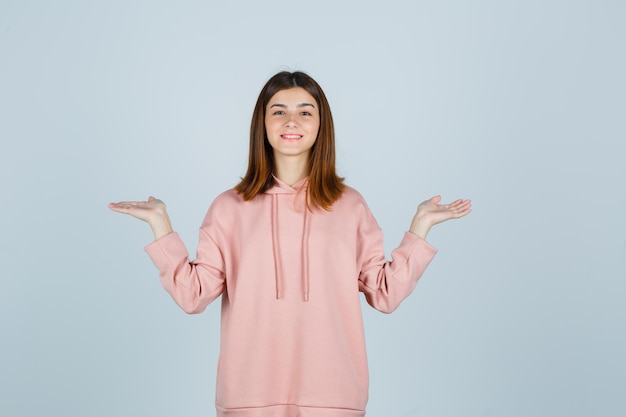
(291,198)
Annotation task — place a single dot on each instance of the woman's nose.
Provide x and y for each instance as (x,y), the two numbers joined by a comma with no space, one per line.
(291,121)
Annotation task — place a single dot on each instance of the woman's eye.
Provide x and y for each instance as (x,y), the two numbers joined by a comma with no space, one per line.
(279,113)
(305,113)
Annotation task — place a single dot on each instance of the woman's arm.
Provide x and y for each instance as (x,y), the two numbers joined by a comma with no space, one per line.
(387,283)
(192,284)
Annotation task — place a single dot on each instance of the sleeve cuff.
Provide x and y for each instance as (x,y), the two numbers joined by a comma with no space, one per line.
(413,240)
(167,251)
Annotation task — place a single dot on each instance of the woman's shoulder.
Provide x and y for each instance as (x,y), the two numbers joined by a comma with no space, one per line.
(351,194)
(351,207)
(223,207)
(228,198)
(351,198)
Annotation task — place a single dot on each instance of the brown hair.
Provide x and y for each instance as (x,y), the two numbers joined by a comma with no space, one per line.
(324,187)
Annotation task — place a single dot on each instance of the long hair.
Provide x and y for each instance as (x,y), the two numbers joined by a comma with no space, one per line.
(324,187)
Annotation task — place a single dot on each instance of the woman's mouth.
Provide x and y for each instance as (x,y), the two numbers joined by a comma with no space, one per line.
(290,138)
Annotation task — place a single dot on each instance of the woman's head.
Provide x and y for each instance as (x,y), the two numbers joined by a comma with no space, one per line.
(292,123)
(325,187)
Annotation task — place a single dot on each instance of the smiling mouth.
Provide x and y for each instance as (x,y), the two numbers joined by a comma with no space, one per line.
(291,138)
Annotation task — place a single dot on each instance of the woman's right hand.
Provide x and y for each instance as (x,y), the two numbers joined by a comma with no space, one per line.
(152,212)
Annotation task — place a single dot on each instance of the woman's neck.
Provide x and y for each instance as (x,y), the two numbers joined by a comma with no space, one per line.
(290,170)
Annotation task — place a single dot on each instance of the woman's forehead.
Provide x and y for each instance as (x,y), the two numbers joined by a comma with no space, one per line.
(292,96)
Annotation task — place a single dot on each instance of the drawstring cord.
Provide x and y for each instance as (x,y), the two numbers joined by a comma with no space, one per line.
(276,251)
(305,254)
(277,266)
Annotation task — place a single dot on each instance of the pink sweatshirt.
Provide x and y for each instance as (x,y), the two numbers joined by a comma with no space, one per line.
(292,340)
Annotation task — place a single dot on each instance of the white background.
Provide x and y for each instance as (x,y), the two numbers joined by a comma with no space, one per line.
(518,105)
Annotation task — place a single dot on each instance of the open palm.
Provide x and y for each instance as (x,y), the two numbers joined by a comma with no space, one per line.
(143,210)
(431,212)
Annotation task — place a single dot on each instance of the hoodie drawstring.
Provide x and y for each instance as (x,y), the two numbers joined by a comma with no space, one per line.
(276,251)
(305,254)
(277,266)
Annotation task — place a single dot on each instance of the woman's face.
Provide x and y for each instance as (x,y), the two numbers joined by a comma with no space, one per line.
(292,121)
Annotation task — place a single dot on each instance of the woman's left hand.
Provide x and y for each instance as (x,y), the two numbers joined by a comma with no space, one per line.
(430,213)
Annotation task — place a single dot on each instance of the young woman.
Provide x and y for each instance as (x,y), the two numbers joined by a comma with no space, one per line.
(289,249)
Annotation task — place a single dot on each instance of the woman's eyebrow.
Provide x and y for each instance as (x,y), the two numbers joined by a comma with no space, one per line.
(298,106)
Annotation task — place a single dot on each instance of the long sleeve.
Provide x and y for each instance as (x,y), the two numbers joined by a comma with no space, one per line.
(387,283)
(192,284)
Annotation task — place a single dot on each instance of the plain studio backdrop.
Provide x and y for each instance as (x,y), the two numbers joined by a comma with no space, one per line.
(518,105)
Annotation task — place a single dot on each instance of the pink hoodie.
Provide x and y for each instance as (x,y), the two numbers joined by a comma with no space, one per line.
(292,340)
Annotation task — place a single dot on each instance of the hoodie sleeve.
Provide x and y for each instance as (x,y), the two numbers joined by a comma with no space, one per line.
(387,283)
(192,284)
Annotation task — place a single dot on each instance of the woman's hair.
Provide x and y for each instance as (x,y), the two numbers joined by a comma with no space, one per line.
(324,186)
